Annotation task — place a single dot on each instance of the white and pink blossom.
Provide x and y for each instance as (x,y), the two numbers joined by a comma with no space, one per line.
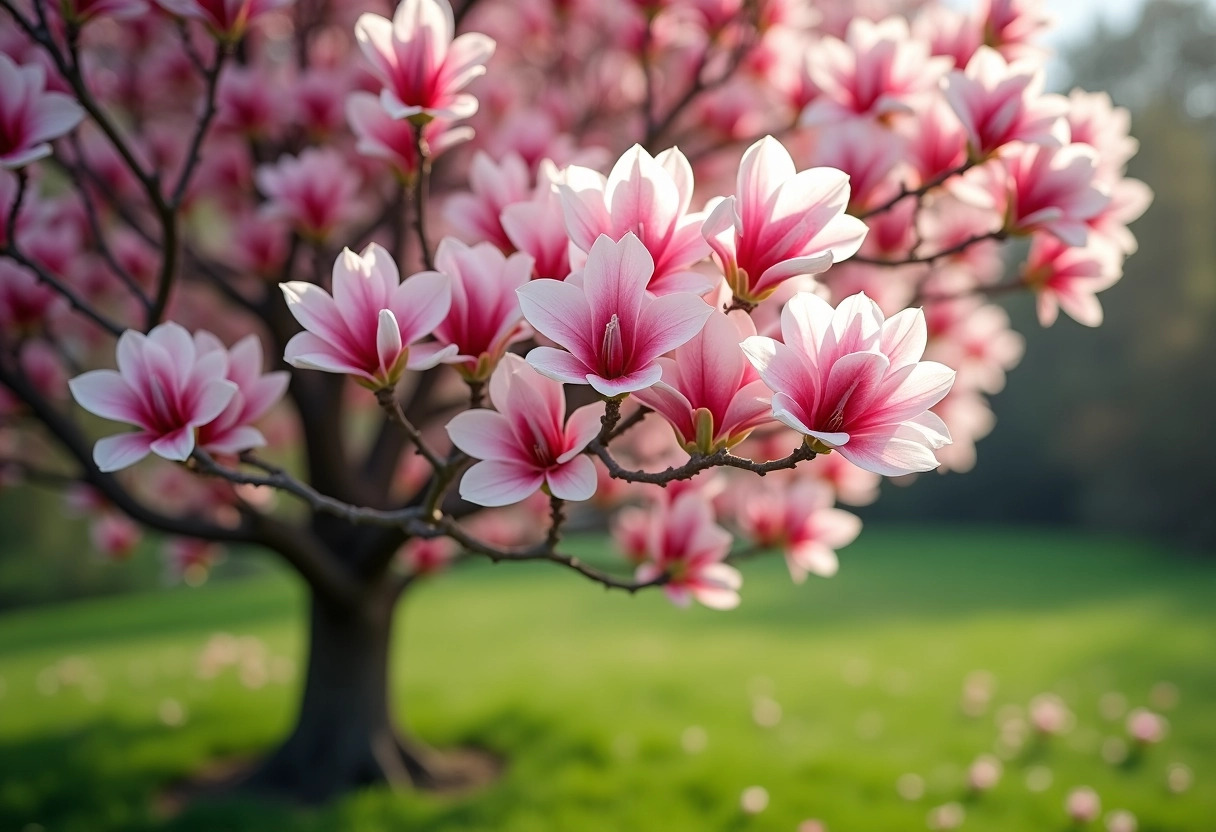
(528,443)
(781,223)
(369,328)
(164,386)
(853,381)
(422,68)
(611,329)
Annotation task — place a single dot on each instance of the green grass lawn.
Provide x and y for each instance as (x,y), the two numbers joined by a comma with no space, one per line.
(620,713)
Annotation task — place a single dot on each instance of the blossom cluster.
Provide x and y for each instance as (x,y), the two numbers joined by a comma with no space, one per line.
(671,239)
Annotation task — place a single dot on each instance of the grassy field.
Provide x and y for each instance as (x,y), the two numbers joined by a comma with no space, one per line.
(619,713)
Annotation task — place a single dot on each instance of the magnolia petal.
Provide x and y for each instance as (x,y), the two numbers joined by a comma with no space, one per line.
(558,310)
(573,480)
(484,434)
(890,451)
(388,340)
(558,365)
(176,446)
(113,453)
(106,394)
(430,354)
(240,438)
(581,428)
(668,322)
(495,482)
(637,380)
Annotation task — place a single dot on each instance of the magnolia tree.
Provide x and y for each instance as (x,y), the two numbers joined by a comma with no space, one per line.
(376,307)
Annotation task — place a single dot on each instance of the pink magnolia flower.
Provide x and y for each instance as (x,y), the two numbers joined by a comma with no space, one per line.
(43,366)
(649,197)
(381,136)
(1129,199)
(1093,119)
(868,153)
(852,485)
(114,535)
(799,518)
(485,316)
(163,386)
(30,116)
(26,303)
(936,142)
(878,69)
(369,326)
(976,339)
(612,330)
(422,68)
(850,380)
(528,443)
(248,101)
(538,226)
(318,97)
(780,224)
(257,392)
(686,545)
(315,191)
(227,19)
(426,556)
(999,103)
(710,394)
(967,415)
(948,32)
(1068,278)
(1053,189)
(494,186)
(1012,26)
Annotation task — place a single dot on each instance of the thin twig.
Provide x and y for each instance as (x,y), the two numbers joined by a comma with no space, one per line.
(421,186)
(697,464)
(937,255)
(76,301)
(918,192)
(450,528)
(387,397)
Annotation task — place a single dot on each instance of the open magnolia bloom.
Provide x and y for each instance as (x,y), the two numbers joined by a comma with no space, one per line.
(646,196)
(370,325)
(528,442)
(30,114)
(710,394)
(612,330)
(422,68)
(852,381)
(165,385)
(780,223)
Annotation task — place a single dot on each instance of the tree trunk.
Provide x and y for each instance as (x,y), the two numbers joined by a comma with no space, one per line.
(345,736)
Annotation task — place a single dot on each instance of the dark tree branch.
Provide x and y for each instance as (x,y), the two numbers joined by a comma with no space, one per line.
(696,465)
(543,551)
(913,259)
(918,192)
(75,300)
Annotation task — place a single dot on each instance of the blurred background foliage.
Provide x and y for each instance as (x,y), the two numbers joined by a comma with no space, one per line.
(1107,429)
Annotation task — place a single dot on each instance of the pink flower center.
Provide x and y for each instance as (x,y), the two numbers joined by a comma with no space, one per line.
(543,455)
(836,419)
(612,350)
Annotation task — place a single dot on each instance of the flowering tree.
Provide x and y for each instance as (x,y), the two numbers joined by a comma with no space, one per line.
(512,333)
